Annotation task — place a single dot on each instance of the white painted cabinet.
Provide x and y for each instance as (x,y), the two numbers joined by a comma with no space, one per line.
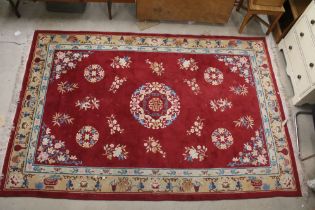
(298,47)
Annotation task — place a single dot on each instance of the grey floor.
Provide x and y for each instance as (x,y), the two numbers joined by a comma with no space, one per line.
(15,39)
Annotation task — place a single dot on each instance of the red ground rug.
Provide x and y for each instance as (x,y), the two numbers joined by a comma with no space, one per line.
(149,117)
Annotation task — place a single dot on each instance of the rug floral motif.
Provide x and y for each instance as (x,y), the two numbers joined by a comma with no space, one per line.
(149,117)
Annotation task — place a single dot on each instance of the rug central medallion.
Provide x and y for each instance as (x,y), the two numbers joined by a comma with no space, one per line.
(155,105)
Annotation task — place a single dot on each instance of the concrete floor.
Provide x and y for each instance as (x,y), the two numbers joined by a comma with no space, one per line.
(15,39)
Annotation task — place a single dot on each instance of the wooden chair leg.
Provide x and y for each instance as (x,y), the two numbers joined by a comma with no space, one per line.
(246,19)
(109,8)
(273,24)
(15,7)
(240,3)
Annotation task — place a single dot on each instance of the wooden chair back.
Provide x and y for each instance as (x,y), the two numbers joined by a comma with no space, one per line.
(275,3)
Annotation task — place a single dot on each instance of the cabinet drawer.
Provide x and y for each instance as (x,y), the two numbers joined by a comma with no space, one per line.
(307,45)
(299,76)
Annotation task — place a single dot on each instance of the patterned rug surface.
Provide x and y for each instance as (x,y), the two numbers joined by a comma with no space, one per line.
(148,117)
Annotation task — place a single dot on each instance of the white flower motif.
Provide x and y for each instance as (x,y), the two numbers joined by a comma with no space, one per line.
(246,160)
(86,144)
(51,150)
(48,130)
(122,62)
(117,83)
(88,103)
(239,90)
(189,64)
(73,157)
(43,156)
(259,143)
(58,145)
(154,146)
(114,125)
(193,153)
(234,69)
(71,64)
(60,55)
(235,159)
(192,83)
(243,60)
(45,141)
(262,159)
(61,158)
(186,63)
(254,153)
(221,104)
(66,60)
(61,118)
(245,121)
(58,67)
(198,153)
(117,152)
(66,87)
(76,55)
(248,147)
(156,68)
(229,59)
(197,127)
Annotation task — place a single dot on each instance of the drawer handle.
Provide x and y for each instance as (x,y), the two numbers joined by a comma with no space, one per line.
(299,76)
(301,34)
(311,65)
(312,22)
(290,47)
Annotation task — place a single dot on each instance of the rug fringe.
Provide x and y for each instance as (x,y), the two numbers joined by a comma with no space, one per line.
(288,109)
(8,126)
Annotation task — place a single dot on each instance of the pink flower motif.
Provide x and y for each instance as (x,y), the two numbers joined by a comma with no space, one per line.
(42,157)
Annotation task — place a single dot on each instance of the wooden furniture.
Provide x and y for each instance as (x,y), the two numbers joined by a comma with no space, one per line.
(275,3)
(109,8)
(208,11)
(254,9)
(298,47)
(15,7)
(293,10)
(15,4)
